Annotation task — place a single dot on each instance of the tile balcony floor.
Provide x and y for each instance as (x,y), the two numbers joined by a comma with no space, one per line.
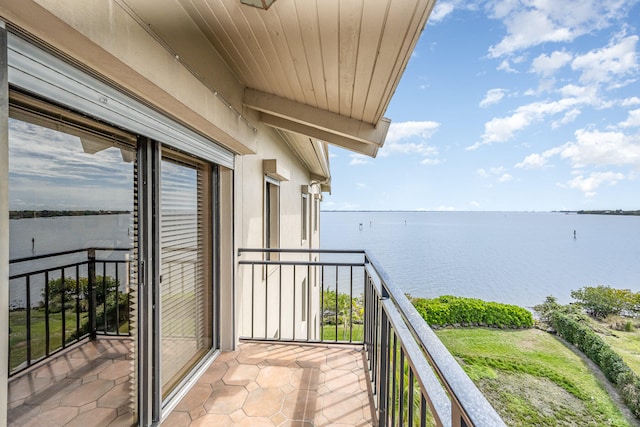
(259,384)
(264,384)
(86,385)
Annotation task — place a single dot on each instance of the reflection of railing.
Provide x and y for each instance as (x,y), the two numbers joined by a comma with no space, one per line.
(415,380)
(64,297)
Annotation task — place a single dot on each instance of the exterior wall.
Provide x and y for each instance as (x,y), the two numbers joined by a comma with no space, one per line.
(250,208)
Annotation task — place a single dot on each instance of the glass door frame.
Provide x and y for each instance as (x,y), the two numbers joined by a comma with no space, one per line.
(148,363)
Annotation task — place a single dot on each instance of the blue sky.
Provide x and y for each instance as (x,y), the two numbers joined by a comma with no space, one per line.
(509,105)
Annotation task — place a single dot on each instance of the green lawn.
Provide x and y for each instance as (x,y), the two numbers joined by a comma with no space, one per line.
(626,344)
(329,333)
(531,378)
(18,336)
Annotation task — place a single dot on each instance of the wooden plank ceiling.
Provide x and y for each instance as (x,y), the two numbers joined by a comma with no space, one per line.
(325,69)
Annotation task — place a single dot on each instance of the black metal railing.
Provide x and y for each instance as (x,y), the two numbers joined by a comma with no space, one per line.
(348,298)
(61,298)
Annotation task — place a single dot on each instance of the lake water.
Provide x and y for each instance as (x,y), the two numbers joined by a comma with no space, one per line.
(516,258)
(32,237)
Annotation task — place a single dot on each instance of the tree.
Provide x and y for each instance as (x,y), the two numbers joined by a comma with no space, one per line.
(71,290)
(602,301)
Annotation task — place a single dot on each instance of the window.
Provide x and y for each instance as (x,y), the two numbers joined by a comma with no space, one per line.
(271,215)
(304,216)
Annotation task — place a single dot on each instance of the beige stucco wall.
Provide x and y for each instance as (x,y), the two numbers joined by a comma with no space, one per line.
(250,207)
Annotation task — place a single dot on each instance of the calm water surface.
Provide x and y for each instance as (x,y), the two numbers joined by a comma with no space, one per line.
(515,258)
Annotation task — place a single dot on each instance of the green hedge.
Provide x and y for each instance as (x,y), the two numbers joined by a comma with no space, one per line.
(596,349)
(451,310)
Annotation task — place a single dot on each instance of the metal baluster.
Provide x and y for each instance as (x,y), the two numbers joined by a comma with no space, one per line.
(47,330)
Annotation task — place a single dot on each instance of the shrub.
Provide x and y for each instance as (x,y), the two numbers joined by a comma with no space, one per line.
(452,310)
(596,349)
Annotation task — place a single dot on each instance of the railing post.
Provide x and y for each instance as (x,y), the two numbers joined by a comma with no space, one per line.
(457,420)
(91,279)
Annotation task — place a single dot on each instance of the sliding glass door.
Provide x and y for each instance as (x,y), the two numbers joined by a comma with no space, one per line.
(186,297)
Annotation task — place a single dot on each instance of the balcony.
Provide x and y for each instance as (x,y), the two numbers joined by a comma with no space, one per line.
(411,378)
(326,338)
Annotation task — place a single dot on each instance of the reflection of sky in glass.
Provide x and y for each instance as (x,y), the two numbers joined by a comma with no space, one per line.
(179,184)
(50,170)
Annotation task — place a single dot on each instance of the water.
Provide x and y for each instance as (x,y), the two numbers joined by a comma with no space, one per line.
(40,236)
(514,258)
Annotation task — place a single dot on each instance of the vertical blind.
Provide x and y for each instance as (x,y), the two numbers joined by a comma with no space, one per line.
(185,290)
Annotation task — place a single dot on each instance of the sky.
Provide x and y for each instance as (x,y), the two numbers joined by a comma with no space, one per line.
(509,105)
(60,175)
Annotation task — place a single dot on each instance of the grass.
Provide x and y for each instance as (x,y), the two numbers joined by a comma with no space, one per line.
(329,332)
(626,344)
(531,378)
(18,335)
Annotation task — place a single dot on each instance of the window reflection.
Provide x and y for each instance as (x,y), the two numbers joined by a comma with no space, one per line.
(71,236)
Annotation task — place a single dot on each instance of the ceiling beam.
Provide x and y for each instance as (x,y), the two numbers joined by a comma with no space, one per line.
(331,138)
(352,134)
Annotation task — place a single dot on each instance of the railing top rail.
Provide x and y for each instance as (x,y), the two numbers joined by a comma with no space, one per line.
(459,385)
(68,252)
(302,263)
(302,251)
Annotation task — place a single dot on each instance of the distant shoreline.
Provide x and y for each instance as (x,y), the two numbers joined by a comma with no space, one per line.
(580,212)
(26,214)
(608,212)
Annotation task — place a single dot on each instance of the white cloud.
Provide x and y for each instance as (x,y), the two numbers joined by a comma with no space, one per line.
(499,172)
(532,161)
(361,186)
(505,178)
(443,208)
(630,102)
(530,23)
(569,117)
(617,60)
(589,185)
(592,148)
(598,148)
(440,11)
(404,130)
(358,159)
(505,65)
(547,65)
(502,129)
(633,120)
(493,96)
(474,204)
(409,138)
